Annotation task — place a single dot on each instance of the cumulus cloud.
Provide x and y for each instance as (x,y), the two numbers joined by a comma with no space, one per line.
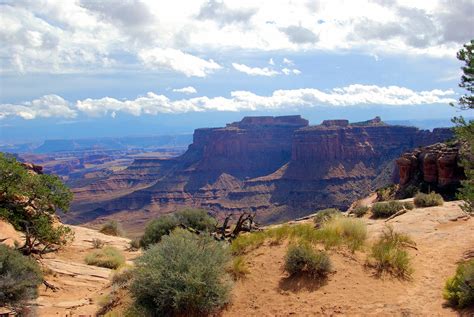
(178,61)
(186,90)
(218,11)
(299,34)
(48,106)
(87,35)
(153,104)
(255,71)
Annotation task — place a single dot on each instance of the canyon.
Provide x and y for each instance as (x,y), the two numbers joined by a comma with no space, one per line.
(279,167)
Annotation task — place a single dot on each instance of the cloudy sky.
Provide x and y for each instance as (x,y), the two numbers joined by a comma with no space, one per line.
(74,68)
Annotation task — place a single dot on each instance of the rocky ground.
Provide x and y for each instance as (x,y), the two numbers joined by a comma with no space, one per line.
(81,287)
(443,236)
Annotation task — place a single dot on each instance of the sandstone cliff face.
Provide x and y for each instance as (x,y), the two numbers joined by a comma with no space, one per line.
(436,166)
(278,166)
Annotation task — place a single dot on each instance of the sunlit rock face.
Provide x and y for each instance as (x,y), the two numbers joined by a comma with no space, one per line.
(279,167)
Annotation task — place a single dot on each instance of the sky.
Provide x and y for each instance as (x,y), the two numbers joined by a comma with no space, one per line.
(89,68)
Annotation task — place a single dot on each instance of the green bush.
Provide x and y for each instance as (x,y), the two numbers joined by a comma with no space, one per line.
(197,219)
(20,277)
(389,208)
(324,215)
(108,257)
(360,211)
(157,228)
(301,258)
(428,200)
(459,289)
(390,255)
(184,274)
(112,228)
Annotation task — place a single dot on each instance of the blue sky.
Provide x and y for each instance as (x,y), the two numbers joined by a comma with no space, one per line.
(126,67)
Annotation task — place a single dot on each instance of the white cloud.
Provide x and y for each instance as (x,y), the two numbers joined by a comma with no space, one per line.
(287,61)
(153,104)
(186,90)
(47,106)
(296,71)
(271,62)
(288,71)
(86,35)
(255,71)
(176,60)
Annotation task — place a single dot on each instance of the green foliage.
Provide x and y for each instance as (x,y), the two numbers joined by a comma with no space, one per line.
(428,200)
(342,230)
(301,258)
(108,257)
(459,289)
(29,201)
(336,231)
(134,245)
(238,268)
(324,215)
(466,55)
(386,193)
(389,254)
(20,277)
(408,192)
(157,228)
(360,211)
(196,219)
(465,134)
(389,208)
(112,228)
(184,274)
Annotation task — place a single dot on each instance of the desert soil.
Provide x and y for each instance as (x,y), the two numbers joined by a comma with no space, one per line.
(442,234)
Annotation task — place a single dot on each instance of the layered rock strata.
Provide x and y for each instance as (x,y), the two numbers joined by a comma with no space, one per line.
(278,166)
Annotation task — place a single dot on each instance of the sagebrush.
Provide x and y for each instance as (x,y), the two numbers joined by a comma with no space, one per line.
(302,259)
(428,200)
(20,277)
(389,208)
(459,289)
(112,228)
(184,274)
(108,257)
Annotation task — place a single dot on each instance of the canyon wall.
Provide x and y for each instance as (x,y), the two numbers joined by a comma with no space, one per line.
(278,166)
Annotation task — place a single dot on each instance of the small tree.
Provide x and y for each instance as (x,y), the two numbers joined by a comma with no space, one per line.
(465,129)
(29,202)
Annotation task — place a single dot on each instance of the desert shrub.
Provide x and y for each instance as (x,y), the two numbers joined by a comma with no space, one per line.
(301,258)
(20,277)
(134,245)
(386,193)
(389,254)
(108,257)
(428,200)
(238,267)
(360,211)
(389,208)
(157,228)
(196,218)
(184,274)
(459,289)
(97,243)
(342,230)
(112,228)
(408,192)
(122,277)
(324,215)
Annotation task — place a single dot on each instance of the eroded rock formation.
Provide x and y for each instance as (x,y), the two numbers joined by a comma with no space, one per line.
(435,166)
(278,166)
